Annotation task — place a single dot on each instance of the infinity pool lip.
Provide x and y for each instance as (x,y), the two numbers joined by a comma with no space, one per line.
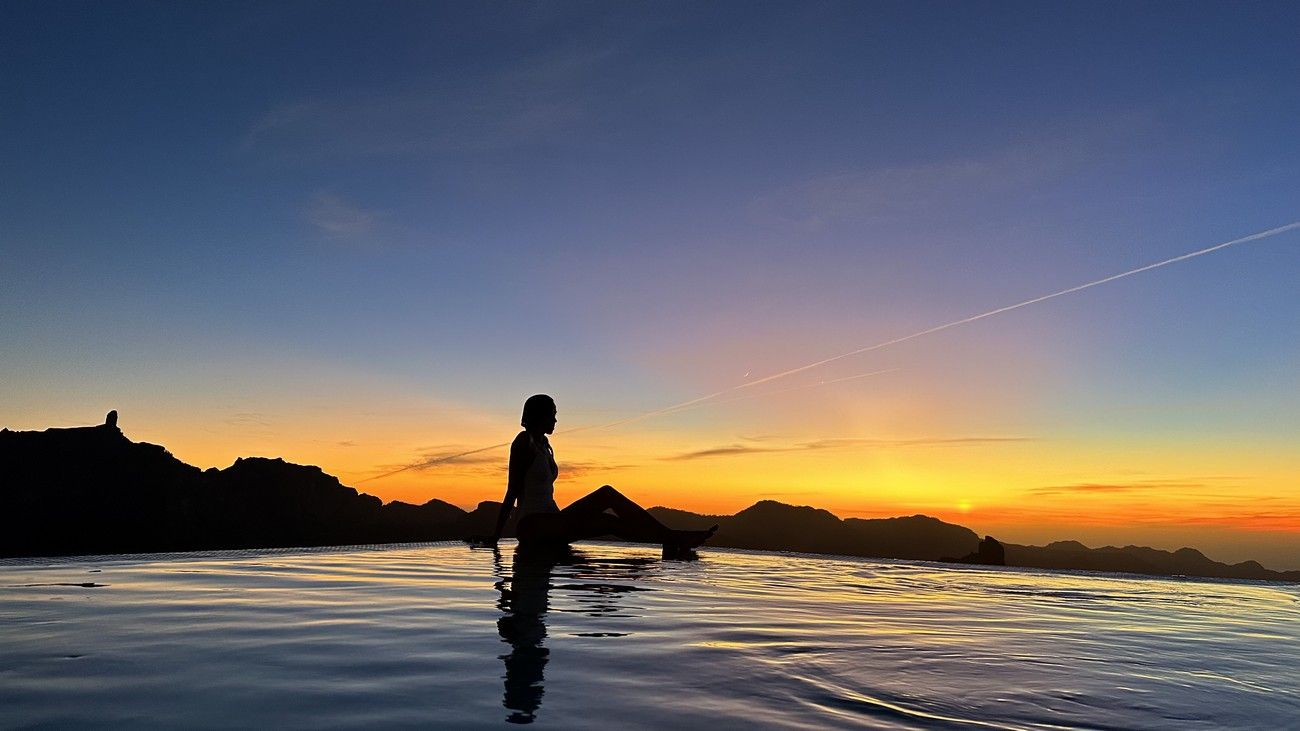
(58,560)
(414,634)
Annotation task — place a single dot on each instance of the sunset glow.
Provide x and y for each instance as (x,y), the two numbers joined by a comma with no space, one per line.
(884,238)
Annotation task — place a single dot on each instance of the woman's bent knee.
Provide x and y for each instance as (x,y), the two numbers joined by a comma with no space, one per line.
(542,528)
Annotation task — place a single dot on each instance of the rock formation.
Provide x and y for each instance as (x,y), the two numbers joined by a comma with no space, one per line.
(91,490)
(990,553)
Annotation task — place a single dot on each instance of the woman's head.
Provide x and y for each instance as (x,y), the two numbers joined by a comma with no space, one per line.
(539,414)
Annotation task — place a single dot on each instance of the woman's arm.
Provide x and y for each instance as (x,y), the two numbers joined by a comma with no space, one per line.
(521,458)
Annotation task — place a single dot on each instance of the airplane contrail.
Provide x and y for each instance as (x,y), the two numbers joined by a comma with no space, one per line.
(800,387)
(433,462)
(695,402)
(966,320)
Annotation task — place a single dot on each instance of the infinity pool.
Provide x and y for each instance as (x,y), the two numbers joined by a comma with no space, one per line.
(439,635)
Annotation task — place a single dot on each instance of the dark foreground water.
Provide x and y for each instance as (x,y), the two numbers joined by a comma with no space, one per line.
(439,635)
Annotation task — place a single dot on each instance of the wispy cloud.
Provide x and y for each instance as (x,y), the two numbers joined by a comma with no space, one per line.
(540,100)
(469,456)
(478,464)
(904,191)
(730,450)
(571,469)
(1282,520)
(1089,487)
(249,418)
(338,217)
(925,442)
(1084,488)
(933,188)
(733,450)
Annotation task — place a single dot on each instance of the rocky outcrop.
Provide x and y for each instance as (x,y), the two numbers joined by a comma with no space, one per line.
(92,490)
(990,553)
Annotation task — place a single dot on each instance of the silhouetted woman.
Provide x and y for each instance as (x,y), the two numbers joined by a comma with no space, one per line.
(531,483)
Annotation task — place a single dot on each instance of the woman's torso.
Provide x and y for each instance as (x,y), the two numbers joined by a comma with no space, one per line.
(539,481)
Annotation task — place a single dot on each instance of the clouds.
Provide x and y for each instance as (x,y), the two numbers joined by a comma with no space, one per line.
(892,193)
(543,100)
(759,446)
(574,469)
(1247,513)
(1286,521)
(338,217)
(460,461)
(1084,488)
(726,451)
(249,419)
(1204,487)
(930,189)
(434,121)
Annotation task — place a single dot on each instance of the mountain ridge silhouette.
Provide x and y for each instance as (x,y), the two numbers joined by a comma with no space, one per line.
(91,490)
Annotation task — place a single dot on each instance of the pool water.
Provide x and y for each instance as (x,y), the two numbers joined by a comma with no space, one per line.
(441,635)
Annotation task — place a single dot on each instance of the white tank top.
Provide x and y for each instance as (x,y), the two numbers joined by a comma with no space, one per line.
(539,482)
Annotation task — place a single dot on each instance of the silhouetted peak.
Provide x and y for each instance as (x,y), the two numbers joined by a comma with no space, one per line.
(95,438)
(902,521)
(771,509)
(436,503)
(111,419)
(433,512)
(1190,554)
(276,465)
(1066,546)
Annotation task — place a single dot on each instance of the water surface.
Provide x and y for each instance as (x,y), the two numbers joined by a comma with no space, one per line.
(442,635)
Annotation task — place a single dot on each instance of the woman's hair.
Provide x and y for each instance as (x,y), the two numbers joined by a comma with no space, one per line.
(537,408)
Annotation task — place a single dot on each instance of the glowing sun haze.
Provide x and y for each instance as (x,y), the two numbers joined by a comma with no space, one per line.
(359,235)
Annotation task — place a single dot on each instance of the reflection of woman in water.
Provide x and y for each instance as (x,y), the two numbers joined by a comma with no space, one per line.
(595,589)
(523,625)
(531,483)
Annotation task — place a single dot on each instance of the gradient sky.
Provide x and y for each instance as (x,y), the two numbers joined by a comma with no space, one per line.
(359,234)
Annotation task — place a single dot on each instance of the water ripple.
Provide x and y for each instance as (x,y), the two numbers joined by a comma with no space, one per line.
(438,634)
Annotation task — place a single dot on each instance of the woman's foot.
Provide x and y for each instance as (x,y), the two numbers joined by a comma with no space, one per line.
(686,539)
(673,553)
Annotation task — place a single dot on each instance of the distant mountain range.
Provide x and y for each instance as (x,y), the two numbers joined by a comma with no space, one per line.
(91,490)
(774,526)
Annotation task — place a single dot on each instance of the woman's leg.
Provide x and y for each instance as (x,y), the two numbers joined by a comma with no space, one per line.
(586,527)
(634,522)
(542,529)
(587,518)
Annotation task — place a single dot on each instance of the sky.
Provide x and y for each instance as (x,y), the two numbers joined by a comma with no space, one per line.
(359,235)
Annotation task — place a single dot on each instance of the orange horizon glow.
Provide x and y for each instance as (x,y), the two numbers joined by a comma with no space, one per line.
(1016,488)
(1021,489)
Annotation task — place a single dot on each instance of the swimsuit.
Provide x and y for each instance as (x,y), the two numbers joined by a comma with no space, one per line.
(539,483)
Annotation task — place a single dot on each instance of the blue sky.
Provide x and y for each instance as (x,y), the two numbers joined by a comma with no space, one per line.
(633,204)
(290,175)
